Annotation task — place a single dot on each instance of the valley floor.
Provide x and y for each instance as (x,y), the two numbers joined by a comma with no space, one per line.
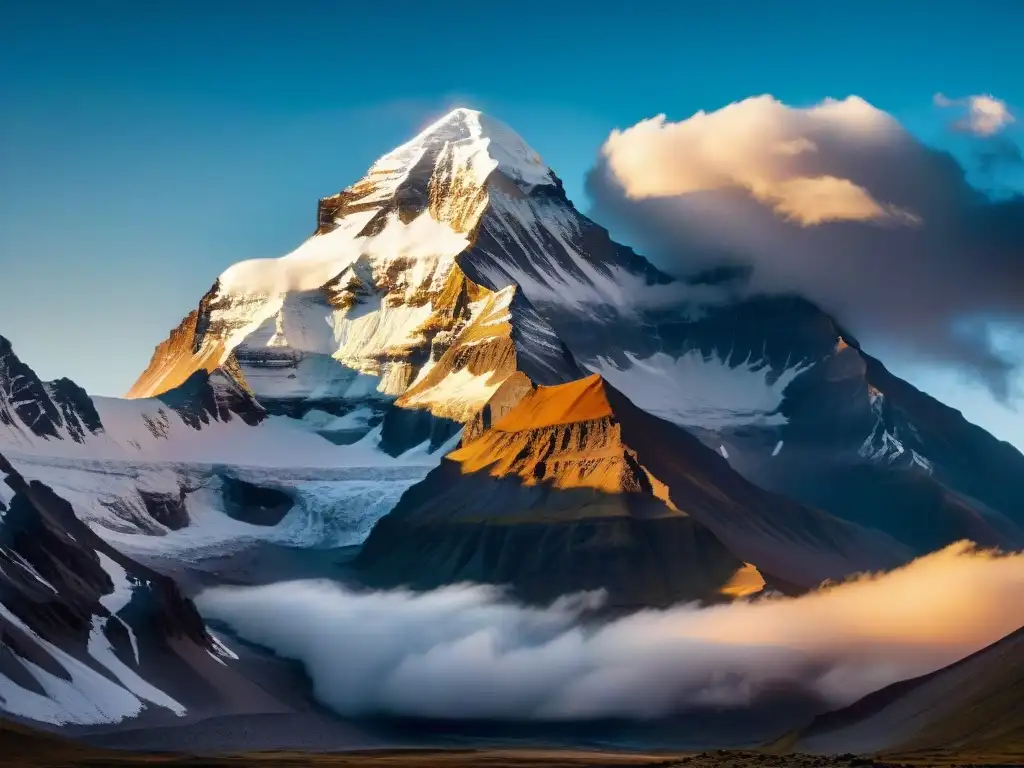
(27,748)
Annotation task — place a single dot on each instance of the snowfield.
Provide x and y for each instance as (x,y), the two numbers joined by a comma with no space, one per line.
(698,391)
(333,507)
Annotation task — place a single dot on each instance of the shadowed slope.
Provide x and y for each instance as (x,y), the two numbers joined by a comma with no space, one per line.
(973,706)
(89,636)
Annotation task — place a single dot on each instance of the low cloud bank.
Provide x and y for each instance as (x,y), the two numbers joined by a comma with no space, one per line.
(466,652)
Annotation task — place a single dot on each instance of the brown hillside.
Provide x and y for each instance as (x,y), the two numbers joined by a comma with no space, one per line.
(974,706)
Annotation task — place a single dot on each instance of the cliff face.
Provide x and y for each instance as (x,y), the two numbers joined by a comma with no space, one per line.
(204,397)
(31,408)
(186,350)
(503,335)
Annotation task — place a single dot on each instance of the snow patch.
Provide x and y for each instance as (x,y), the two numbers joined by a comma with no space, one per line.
(921,461)
(698,391)
(355,420)
(483,142)
(122,594)
(6,497)
(882,444)
(323,257)
(220,648)
(119,598)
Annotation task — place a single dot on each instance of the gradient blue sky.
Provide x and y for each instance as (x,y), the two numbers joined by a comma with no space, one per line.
(146,147)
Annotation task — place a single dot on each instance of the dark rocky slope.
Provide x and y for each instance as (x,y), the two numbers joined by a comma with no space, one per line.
(101,637)
(50,410)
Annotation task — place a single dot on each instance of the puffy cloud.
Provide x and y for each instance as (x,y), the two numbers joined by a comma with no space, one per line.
(465,652)
(985,115)
(758,145)
(837,202)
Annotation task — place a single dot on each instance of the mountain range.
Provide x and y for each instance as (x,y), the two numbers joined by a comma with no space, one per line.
(460,377)
(401,267)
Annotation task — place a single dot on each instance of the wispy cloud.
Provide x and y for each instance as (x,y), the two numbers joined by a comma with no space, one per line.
(984,114)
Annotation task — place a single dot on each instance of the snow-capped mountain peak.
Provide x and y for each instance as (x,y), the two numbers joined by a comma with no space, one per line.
(357,302)
(446,169)
(478,142)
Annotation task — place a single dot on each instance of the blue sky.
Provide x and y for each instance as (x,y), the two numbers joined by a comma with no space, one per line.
(146,147)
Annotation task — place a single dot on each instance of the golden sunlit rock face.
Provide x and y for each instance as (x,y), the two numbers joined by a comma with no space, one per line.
(563,436)
(745,582)
(456,195)
(577,401)
(185,351)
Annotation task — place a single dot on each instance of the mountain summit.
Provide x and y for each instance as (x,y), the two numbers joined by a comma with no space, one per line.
(360,312)
(469,146)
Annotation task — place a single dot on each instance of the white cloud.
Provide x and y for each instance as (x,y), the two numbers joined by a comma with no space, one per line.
(985,115)
(758,145)
(464,652)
